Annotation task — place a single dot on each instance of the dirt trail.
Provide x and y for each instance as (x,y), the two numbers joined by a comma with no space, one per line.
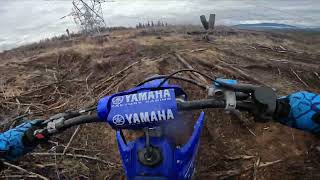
(55,76)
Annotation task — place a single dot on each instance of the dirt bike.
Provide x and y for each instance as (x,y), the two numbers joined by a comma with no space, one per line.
(151,107)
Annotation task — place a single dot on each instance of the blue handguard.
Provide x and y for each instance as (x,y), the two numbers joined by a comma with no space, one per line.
(12,145)
(304,111)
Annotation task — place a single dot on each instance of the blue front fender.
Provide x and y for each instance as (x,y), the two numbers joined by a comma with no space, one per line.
(177,163)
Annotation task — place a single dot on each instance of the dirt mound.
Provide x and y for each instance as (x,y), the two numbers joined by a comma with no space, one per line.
(48,79)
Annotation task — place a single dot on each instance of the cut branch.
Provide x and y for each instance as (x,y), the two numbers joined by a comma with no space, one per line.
(109,164)
(71,139)
(245,157)
(242,73)
(100,84)
(236,172)
(111,87)
(299,78)
(317,74)
(185,63)
(25,171)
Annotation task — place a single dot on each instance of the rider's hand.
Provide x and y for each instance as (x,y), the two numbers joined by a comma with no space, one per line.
(14,144)
(301,110)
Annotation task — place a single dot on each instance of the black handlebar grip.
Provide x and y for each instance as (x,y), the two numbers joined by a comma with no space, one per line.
(80,120)
(200,104)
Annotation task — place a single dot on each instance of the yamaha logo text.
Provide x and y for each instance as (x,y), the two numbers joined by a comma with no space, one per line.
(142,97)
(143,117)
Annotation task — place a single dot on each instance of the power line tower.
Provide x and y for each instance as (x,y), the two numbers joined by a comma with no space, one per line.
(87,14)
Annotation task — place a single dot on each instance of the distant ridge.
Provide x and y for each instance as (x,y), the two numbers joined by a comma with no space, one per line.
(266,26)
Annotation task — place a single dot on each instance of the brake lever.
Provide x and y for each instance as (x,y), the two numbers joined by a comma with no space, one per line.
(262,103)
(245,88)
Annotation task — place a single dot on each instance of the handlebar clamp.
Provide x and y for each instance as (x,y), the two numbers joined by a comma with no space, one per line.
(55,125)
(229,96)
(231,101)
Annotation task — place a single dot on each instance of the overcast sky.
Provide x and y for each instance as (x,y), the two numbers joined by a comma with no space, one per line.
(25,21)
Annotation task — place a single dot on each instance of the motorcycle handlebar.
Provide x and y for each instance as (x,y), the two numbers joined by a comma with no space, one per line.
(200,104)
(211,103)
(83,119)
(181,105)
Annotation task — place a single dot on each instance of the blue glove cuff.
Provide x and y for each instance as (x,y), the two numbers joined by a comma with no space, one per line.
(304,107)
(11,143)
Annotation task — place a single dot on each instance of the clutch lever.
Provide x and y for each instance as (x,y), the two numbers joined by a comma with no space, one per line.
(68,115)
(54,124)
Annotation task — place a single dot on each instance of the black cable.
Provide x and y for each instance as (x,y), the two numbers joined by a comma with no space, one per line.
(173,77)
(93,108)
(185,70)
